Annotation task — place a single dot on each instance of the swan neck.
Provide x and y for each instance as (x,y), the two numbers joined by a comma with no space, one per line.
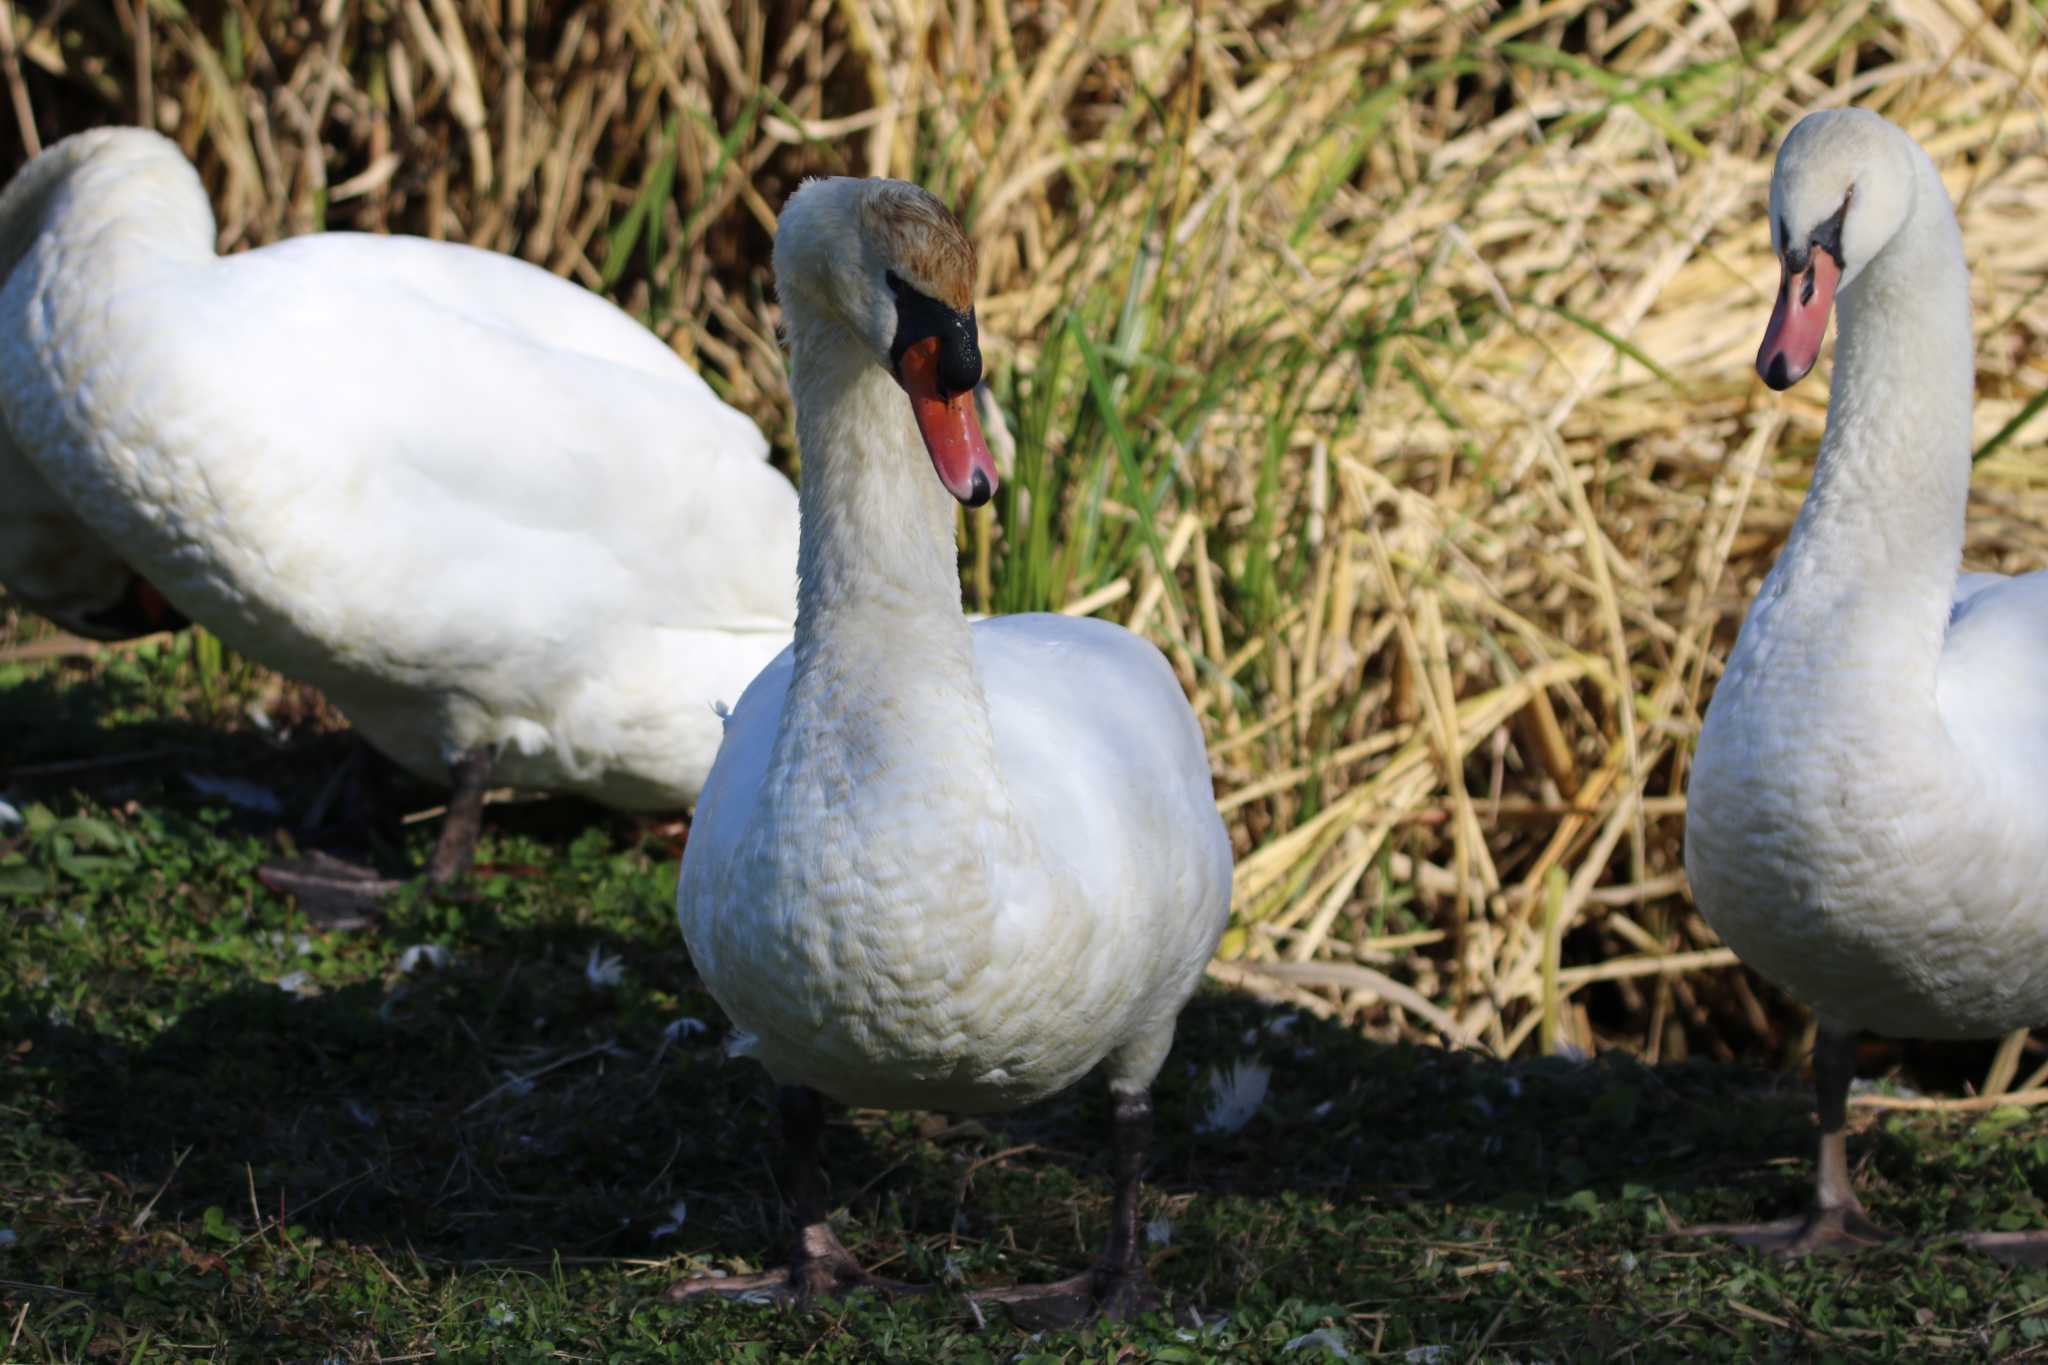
(1893,472)
(880,636)
(1871,564)
(106,189)
(876,531)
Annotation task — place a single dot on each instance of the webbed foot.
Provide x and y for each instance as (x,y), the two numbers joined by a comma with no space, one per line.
(333,893)
(1097,1293)
(819,1268)
(1821,1232)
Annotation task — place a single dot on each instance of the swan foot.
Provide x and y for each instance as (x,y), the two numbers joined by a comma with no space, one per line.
(1822,1232)
(2014,1248)
(1103,1292)
(333,893)
(819,1268)
(1116,1287)
(1836,1223)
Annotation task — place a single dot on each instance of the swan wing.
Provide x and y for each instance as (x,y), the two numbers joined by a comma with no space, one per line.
(363,441)
(1968,585)
(1992,688)
(725,809)
(1105,760)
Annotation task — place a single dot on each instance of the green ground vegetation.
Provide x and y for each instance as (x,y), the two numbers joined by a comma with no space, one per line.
(499,1125)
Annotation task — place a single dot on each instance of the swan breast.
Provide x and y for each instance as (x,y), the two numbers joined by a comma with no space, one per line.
(1000,963)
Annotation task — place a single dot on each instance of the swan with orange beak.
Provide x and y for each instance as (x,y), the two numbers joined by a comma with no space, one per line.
(938,865)
(1864,822)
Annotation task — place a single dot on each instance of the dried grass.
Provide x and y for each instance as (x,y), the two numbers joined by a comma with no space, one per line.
(1422,333)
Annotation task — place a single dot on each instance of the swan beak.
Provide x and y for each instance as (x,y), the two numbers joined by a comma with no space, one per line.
(949,425)
(1792,341)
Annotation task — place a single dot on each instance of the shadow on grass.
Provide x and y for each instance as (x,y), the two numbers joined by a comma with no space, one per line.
(109,734)
(504,1109)
(53,722)
(492,1110)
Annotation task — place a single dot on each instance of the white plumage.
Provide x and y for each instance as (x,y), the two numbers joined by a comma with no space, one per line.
(938,865)
(958,930)
(478,506)
(1866,823)
(52,563)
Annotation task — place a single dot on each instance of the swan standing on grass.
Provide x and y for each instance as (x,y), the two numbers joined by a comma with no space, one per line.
(938,866)
(504,528)
(1868,817)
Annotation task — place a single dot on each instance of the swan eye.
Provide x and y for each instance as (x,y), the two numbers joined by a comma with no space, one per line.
(919,315)
(1827,236)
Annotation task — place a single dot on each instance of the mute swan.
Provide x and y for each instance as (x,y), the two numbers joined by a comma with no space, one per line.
(937,865)
(1866,823)
(505,529)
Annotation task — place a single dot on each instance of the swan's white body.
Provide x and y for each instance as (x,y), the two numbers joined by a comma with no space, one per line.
(970,918)
(476,505)
(937,865)
(1868,816)
(50,561)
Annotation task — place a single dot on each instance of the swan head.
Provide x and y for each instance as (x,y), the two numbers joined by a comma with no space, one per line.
(1841,190)
(892,264)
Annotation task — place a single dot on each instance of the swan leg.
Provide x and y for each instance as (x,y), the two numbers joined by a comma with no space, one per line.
(455,850)
(819,1267)
(1116,1285)
(1836,1222)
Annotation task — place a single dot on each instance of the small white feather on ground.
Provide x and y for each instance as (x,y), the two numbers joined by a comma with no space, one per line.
(1235,1094)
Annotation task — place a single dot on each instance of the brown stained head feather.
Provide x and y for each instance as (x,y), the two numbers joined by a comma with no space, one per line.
(923,239)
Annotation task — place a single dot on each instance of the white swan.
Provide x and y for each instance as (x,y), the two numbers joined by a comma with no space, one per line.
(938,865)
(1866,822)
(500,524)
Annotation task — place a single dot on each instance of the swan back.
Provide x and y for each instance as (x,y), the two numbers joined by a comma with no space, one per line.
(476,505)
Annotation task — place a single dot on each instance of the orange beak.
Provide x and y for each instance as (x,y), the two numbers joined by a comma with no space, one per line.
(951,430)
(1792,341)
